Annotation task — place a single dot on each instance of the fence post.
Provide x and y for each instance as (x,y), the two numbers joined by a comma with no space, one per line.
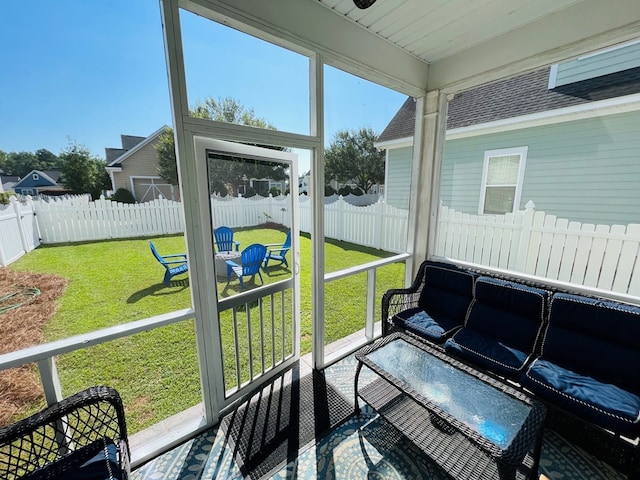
(525,236)
(378,212)
(23,235)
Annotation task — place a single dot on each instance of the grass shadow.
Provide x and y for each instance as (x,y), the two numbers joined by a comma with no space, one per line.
(157,290)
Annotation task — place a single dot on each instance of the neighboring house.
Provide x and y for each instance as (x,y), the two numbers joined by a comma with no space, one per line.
(8,182)
(135,168)
(263,186)
(373,190)
(304,183)
(39,182)
(524,138)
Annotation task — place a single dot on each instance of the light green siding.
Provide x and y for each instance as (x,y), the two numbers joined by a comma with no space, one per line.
(587,170)
(597,65)
(397,186)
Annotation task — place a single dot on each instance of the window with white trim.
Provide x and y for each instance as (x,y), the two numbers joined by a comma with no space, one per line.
(502,178)
(36,176)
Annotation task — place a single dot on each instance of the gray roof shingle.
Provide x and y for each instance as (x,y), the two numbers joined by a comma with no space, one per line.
(130,141)
(513,97)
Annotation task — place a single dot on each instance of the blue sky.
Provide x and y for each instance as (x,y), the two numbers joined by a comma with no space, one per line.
(89,71)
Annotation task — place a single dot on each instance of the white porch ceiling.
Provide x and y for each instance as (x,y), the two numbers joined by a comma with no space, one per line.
(415,45)
(435,29)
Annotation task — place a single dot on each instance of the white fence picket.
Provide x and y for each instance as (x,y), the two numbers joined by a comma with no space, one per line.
(557,247)
(611,257)
(546,241)
(582,253)
(628,257)
(596,255)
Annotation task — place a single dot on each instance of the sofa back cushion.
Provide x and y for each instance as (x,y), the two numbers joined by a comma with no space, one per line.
(510,312)
(595,337)
(447,291)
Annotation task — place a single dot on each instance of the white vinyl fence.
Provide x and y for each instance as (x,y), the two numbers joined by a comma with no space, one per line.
(78,219)
(378,226)
(534,243)
(65,221)
(18,230)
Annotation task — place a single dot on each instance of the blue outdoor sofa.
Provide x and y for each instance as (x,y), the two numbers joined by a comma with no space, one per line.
(579,354)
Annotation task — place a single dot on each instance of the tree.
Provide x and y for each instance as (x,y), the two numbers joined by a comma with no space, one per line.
(83,172)
(47,160)
(223,170)
(3,162)
(353,157)
(21,163)
(165,147)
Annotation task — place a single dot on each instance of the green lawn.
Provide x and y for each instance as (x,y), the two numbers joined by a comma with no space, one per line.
(156,372)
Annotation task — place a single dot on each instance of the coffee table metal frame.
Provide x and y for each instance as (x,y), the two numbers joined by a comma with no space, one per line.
(460,450)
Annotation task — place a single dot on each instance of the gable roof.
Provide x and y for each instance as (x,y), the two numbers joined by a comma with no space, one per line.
(130,141)
(513,97)
(113,153)
(135,144)
(47,178)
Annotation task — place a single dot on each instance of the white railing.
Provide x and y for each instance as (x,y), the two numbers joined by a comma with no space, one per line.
(534,243)
(18,230)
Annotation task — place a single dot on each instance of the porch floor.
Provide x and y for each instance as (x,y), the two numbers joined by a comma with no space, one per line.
(361,447)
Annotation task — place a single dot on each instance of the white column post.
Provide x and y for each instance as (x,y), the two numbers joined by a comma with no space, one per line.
(317,204)
(428,152)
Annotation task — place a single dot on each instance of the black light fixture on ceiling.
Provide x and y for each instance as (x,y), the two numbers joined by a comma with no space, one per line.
(364,3)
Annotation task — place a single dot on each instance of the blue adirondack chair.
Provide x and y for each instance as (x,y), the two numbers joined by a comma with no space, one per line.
(251,261)
(224,239)
(173,264)
(278,252)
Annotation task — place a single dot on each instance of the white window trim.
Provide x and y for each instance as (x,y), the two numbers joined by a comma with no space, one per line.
(35,176)
(522,151)
(553,75)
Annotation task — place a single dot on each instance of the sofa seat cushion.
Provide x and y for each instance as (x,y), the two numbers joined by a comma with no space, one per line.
(487,352)
(434,327)
(96,461)
(595,337)
(601,403)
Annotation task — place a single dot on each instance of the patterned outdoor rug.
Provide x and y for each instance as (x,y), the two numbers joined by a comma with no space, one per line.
(367,447)
(269,430)
(362,447)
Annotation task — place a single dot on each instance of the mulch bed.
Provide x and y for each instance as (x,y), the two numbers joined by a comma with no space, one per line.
(34,297)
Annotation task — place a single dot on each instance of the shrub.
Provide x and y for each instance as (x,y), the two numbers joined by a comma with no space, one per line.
(250,192)
(274,191)
(329,190)
(4,197)
(123,195)
(219,187)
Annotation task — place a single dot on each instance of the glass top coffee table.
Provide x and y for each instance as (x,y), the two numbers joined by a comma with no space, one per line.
(472,425)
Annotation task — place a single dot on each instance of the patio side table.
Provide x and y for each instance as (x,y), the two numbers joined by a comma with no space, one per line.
(470,424)
(221,262)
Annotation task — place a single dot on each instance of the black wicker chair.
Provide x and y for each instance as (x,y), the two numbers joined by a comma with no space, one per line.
(81,437)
